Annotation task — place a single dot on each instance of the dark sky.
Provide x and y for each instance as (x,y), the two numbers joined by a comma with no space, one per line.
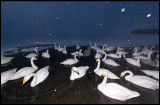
(69,22)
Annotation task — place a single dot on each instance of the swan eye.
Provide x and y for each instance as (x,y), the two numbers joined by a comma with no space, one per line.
(103,74)
(24,81)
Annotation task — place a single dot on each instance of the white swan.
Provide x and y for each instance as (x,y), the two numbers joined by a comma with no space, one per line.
(146,51)
(116,91)
(109,61)
(78,47)
(110,48)
(154,63)
(98,55)
(59,48)
(70,61)
(46,54)
(5,60)
(79,53)
(92,47)
(152,73)
(55,47)
(25,71)
(144,57)
(87,52)
(99,71)
(136,53)
(33,54)
(38,77)
(112,55)
(64,51)
(133,61)
(141,80)
(6,75)
(78,72)
(120,51)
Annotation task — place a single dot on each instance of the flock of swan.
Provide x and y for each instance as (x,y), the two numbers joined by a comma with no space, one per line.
(112,90)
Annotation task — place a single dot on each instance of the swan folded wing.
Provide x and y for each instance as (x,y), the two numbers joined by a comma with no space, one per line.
(151,73)
(42,74)
(69,61)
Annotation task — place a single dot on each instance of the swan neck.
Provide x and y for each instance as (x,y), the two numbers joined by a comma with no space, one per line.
(105,56)
(151,48)
(36,50)
(98,65)
(33,65)
(104,81)
(130,74)
(33,83)
(75,57)
(149,55)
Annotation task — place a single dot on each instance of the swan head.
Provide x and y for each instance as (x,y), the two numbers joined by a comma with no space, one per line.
(33,58)
(103,52)
(124,72)
(75,70)
(47,51)
(26,78)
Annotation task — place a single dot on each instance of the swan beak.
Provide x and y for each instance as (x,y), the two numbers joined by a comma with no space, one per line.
(77,72)
(102,53)
(35,58)
(121,76)
(97,60)
(103,74)
(24,81)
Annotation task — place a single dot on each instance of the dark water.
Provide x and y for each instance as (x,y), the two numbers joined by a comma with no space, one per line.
(59,89)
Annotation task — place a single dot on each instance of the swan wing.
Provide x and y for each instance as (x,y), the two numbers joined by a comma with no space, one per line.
(153,73)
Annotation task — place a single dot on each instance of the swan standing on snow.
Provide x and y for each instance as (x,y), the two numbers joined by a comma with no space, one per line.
(78,47)
(70,61)
(116,91)
(141,80)
(64,51)
(98,55)
(152,73)
(99,71)
(33,54)
(25,71)
(133,61)
(46,54)
(38,77)
(6,75)
(5,60)
(78,72)
(109,61)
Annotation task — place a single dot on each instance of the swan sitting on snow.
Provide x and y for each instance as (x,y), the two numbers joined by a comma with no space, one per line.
(70,61)
(115,91)
(141,80)
(78,72)
(38,77)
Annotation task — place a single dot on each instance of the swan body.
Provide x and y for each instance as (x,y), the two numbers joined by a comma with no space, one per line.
(25,71)
(78,72)
(33,54)
(114,55)
(70,61)
(152,73)
(141,80)
(116,91)
(99,71)
(5,60)
(39,76)
(87,52)
(6,75)
(109,61)
(144,57)
(64,51)
(46,54)
(150,62)
(78,47)
(133,61)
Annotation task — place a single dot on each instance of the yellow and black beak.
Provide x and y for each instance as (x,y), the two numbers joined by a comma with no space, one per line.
(103,74)
(96,60)
(121,76)
(24,81)
(35,58)
(77,72)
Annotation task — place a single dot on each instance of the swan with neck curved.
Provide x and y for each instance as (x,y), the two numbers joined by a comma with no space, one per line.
(109,61)
(99,71)
(25,71)
(38,77)
(32,54)
(141,80)
(115,91)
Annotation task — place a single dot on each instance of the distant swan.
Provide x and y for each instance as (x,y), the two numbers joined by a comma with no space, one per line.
(25,71)
(70,61)
(59,48)
(98,55)
(38,77)
(141,80)
(5,60)
(133,61)
(78,47)
(116,91)
(46,54)
(64,51)
(78,72)
(33,54)
(153,73)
